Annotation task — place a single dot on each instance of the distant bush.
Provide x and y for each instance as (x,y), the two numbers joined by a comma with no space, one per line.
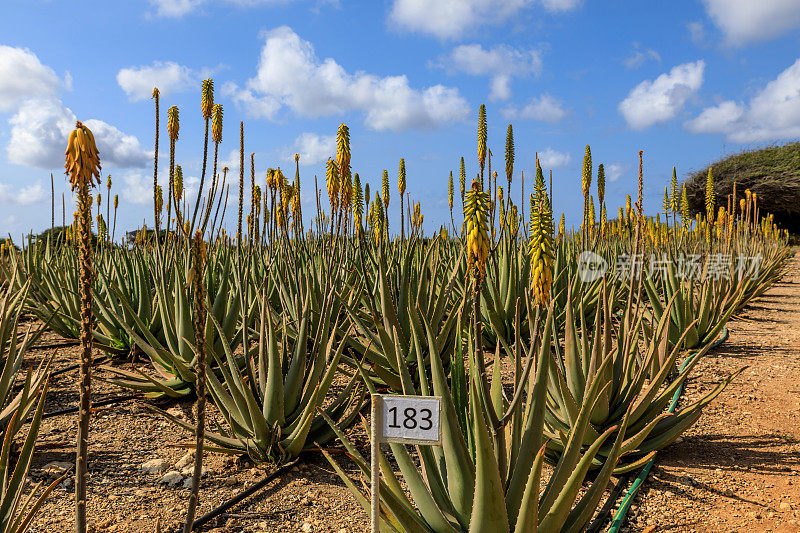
(772,173)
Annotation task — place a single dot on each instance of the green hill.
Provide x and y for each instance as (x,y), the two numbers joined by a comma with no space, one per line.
(772,173)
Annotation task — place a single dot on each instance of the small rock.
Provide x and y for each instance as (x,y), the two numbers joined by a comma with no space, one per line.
(154,466)
(177,412)
(189,471)
(785,506)
(230,481)
(171,478)
(56,468)
(306,527)
(728,493)
(184,461)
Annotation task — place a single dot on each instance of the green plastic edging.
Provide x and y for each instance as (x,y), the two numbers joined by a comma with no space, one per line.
(627,501)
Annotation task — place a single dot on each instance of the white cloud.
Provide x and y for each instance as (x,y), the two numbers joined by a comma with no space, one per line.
(661,99)
(232,162)
(746,21)
(313,148)
(772,114)
(614,171)
(179,8)
(560,5)
(638,57)
(174,8)
(501,62)
(716,119)
(697,33)
(11,223)
(265,107)
(117,148)
(22,196)
(169,77)
(39,132)
(452,19)
(545,108)
(290,72)
(138,188)
(550,158)
(22,76)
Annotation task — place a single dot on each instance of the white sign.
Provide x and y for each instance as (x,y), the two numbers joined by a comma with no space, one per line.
(410,419)
(402,419)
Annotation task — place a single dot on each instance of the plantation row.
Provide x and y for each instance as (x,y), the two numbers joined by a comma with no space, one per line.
(547,345)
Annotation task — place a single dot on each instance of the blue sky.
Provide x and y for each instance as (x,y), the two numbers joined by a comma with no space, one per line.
(687,81)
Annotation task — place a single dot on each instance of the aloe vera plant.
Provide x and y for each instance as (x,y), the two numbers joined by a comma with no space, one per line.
(701,306)
(271,405)
(170,347)
(462,487)
(635,383)
(17,511)
(54,294)
(13,348)
(413,278)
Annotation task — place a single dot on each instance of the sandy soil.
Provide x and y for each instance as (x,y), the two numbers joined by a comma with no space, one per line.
(122,498)
(738,468)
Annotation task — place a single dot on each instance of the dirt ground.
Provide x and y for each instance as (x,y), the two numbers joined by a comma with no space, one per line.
(123,498)
(738,469)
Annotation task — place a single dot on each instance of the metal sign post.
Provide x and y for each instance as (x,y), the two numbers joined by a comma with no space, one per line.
(404,420)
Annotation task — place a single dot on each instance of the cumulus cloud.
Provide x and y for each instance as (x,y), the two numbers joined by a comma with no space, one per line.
(169,77)
(452,19)
(23,76)
(551,158)
(638,57)
(560,5)
(179,8)
(138,187)
(501,63)
(39,131)
(716,118)
(697,33)
(175,8)
(22,196)
(747,21)
(263,106)
(41,123)
(773,113)
(662,99)
(289,72)
(544,108)
(614,171)
(116,147)
(313,148)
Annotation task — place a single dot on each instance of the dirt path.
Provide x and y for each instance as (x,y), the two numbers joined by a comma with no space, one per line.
(738,469)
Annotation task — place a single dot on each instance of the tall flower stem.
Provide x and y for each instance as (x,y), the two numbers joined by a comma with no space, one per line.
(198,265)
(83,167)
